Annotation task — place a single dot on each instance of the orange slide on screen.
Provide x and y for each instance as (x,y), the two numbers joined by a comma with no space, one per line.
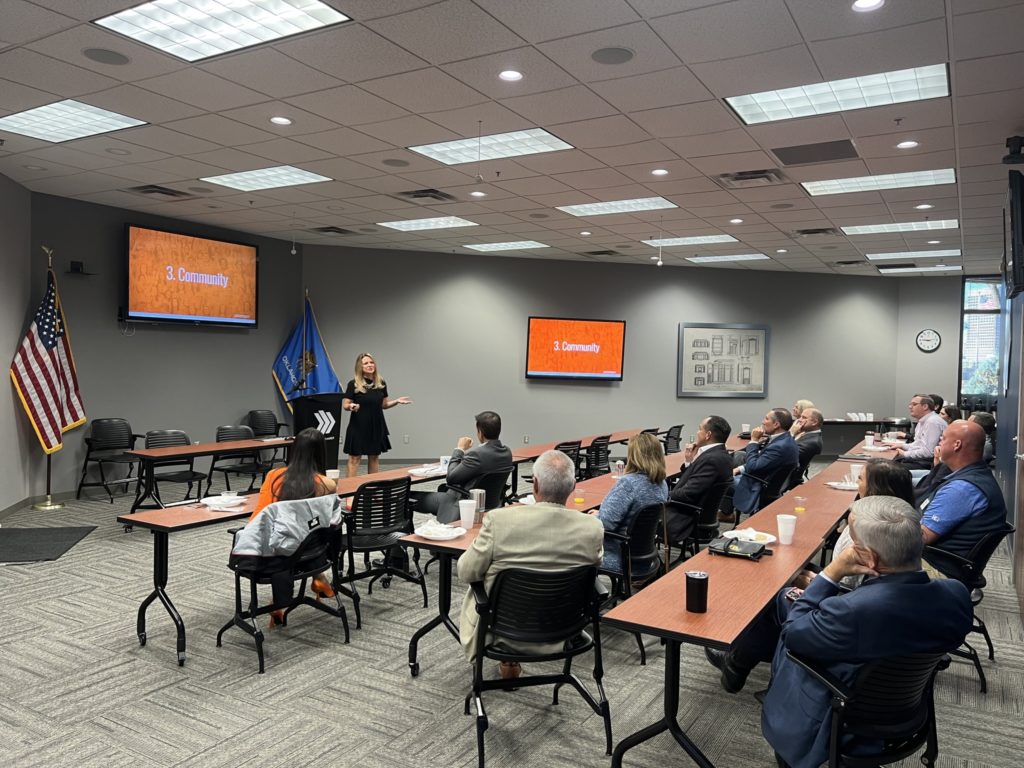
(560,348)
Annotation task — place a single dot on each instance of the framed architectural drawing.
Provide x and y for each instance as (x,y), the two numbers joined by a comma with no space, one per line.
(722,360)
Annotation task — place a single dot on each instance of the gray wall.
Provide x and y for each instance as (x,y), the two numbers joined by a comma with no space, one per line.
(450,333)
(926,302)
(18,441)
(164,376)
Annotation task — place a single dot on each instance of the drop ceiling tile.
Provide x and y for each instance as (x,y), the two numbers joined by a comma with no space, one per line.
(600,132)
(438,178)
(409,131)
(784,68)
(219,130)
(539,20)
(411,161)
(258,116)
(166,140)
(79,184)
(927,161)
(718,143)
(822,21)
(631,154)
(347,105)
(885,51)
(102,144)
(559,106)
(728,30)
(996,171)
(884,146)
(652,90)
(933,113)
(430,33)
(69,46)
(343,141)
(686,120)
(231,159)
(489,118)
(201,89)
(1002,106)
(350,52)
(169,170)
(424,90)
(702,199)
(677,169)
(805,130)
(24,22)
(13,167)
(564,161)
(37,71)
(988,33)
(595,179)
(539,73)
(574,53)
(271,72)
(72,157)
(142,104)
(732,163)
(15,97)
(766,199)
(981,134)
(992,73)
(537,185)
(286,151)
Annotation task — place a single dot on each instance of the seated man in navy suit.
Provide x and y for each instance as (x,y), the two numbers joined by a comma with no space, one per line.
(896,611)
(771,449)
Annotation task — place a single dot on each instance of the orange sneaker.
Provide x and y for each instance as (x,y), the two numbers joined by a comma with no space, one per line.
(277,619)
(321,587)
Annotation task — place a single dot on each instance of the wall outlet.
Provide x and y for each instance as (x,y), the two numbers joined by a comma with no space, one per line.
(405,439)
(526,439)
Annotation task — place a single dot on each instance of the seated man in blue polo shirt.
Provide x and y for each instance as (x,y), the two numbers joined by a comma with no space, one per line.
(967,504)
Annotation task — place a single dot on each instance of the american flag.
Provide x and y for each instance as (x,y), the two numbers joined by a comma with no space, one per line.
(43,372)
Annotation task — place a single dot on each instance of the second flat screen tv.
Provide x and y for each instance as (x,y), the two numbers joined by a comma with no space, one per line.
(563,348)
(176,278)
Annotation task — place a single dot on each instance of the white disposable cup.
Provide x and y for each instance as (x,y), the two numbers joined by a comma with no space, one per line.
(787,527)
(855,470)
(869,440)
(467,512)
(744,427)
(229,494)
(444,460)
(871,417)
(333,474)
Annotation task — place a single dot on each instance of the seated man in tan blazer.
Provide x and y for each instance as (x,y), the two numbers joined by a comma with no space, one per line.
(543,536)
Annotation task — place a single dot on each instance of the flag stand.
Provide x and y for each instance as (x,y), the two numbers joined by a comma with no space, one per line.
(49,505)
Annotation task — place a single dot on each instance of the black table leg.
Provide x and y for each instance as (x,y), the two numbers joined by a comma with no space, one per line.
(146,489)
(159,583)
(668,722)
(444,605)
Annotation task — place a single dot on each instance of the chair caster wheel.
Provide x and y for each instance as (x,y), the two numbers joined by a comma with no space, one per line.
(129,528)
(181,658)
(386,582)
(414,668)
(142,639)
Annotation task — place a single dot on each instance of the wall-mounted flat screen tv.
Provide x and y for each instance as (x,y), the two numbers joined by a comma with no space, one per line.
(1013,254)
(178,278)
(564,348)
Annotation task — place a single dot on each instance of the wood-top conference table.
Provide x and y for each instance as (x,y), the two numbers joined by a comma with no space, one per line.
(738,590)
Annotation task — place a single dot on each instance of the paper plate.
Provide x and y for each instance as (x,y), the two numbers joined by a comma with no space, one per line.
(440,532)
(749,534)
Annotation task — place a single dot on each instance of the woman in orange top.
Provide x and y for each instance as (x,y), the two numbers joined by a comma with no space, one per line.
(303,478)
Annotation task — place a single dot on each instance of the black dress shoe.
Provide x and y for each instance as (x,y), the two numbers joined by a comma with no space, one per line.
(734,677)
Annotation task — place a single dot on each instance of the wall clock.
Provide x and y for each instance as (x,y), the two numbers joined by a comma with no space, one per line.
(928,340)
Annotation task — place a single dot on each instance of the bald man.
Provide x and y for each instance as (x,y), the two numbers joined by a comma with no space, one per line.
(967,504)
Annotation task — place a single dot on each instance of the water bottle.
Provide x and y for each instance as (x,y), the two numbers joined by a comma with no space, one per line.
(620,468)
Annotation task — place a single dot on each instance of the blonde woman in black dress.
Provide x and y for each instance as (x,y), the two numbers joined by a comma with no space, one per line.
(366,399)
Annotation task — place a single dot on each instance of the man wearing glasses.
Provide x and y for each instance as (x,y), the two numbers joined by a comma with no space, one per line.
(920,453)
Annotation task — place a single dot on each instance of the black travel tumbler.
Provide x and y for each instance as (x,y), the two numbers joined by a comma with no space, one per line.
(696,591)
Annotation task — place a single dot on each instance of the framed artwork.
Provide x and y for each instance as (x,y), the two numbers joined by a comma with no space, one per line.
(722,360)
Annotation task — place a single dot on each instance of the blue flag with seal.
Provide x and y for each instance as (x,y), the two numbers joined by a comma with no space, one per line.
(302,367)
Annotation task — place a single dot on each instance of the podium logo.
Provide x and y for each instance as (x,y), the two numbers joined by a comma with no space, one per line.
(324,421)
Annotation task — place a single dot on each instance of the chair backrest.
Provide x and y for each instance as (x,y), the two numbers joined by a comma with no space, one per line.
(982,552)
(381,506)
(642,551)
(316,552)
(651,431)
(597,456)
(710,503)
(571,449)
(493,485)
(226,433)
(542,606)
(774,484)
(263,423)
(891,696)
(166,438)
(674,439)
(110,434)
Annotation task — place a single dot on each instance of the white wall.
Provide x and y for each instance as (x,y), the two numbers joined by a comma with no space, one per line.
(14,316)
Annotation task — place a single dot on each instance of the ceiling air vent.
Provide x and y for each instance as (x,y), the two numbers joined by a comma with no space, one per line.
(823,152)
(816,232)
(850,263)
(426,195)
(751,179)
(156,192)
(332,231)
(601,253)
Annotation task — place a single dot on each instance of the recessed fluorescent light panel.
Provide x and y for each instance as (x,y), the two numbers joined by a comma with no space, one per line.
(266,178)
(738,257)
(914,255)
(897,270)
(521,245)
(841,95)
(668,242)
(617,206)
(882,181)
(441,222)
(903,226)
(65,120)
(515,144)
(198,29)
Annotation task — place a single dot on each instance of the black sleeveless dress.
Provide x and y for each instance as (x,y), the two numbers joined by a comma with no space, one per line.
(367,433)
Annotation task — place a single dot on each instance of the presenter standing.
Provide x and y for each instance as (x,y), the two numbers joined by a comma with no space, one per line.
(366,398)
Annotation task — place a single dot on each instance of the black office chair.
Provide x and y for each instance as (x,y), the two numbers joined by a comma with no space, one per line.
(704,526)
(318,552)
(571,449)
(890,702)
(771,487)
(182,470)
(798,475)
(673,441)
(638,552)
(970,571)
(107,443)
(245,462)
(539,607)
(265,424)
(595,459)
(496,494)
(380,516)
